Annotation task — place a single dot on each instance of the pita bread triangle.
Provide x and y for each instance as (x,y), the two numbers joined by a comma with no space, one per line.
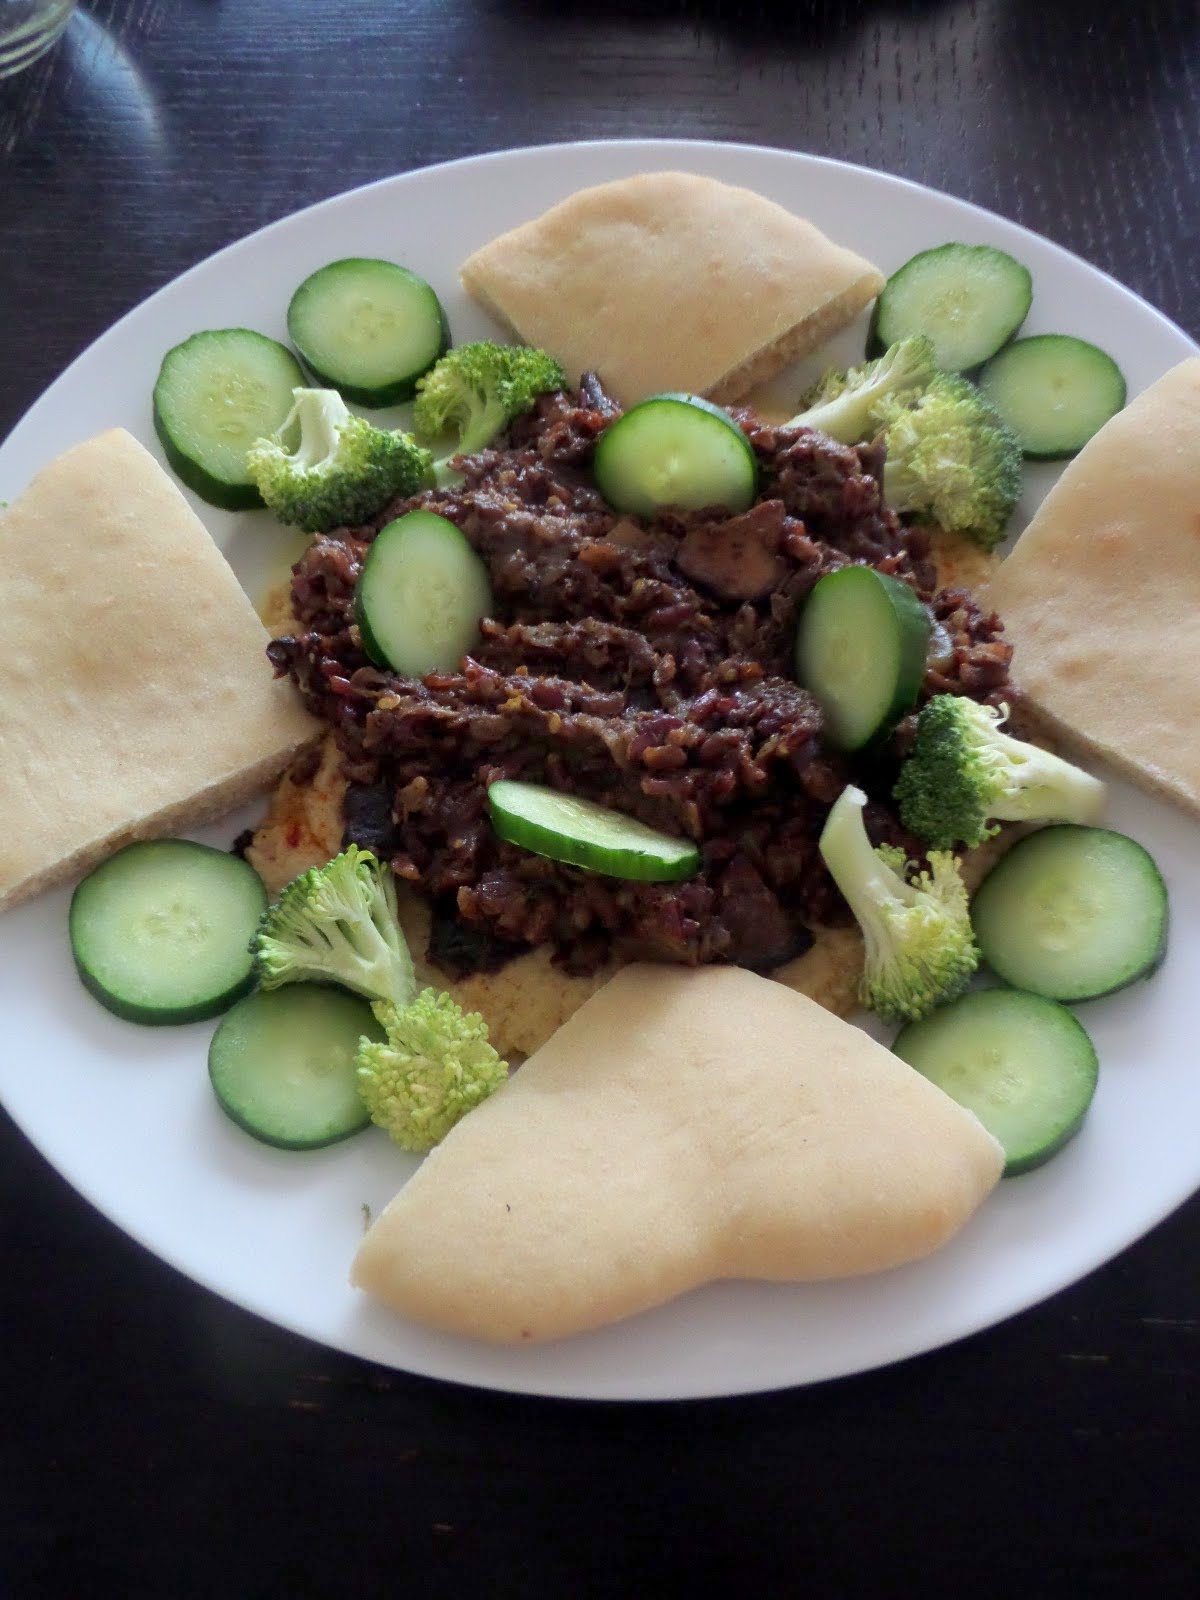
(139,699)
(683,1126)
(1101,596)
(667,281)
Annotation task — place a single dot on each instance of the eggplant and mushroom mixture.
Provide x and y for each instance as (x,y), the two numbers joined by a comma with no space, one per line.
(643,664)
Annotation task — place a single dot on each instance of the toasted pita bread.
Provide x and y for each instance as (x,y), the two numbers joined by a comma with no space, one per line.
(137,699)
(1101,595)
(682,1127)
(671,281)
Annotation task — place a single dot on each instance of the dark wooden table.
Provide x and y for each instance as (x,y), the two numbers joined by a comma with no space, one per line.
(157,1441)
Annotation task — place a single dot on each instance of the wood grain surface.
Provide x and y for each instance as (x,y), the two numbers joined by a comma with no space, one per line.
(157,1441)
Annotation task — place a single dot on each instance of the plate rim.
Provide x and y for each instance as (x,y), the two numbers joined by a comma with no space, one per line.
(681,149)
(564,147)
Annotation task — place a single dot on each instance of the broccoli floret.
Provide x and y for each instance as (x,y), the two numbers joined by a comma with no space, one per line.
(964,774)
(337,924)
(920,950)
(326,467)
(952,459)
(435,1065)
(845,405)
(475,390)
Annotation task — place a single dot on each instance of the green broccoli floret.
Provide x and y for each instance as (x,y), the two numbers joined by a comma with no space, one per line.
(337,924)
(845,405)
(475,390)
(920,950)
(435,1065)
(964,775)
(951,459)
(326,467)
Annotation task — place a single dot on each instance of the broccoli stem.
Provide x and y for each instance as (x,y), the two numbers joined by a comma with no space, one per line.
(849,416)
(864,878)
(1040,786)
(444,475)
(319,415)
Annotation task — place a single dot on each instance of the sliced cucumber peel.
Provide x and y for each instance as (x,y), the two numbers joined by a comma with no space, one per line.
(861,648)
(420,595)
(1022,1064)
(1072,913)
(217,394)
(368,328)
(967,299)
(675,450)
(1054,391)
(161,931)
(281,1064)
(583,834)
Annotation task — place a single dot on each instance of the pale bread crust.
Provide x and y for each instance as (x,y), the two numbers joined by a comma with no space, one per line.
(1101,595)
(657,1143)
(137,698)
(668,280)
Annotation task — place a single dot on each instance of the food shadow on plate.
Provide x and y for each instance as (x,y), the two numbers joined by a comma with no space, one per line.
(687,1347)
(37,930)
(261,550)
(366,1161)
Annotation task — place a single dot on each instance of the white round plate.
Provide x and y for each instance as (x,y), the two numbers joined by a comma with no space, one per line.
(125,1113)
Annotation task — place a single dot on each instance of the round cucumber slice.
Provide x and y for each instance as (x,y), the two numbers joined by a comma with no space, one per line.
(420,595)
(675,450)
(281,1064)
(1072,913)
(1054,391)
(968,299)
(861,647)
(368,328)
(161,931)
(1023,1064)
(583,834)
(217,393)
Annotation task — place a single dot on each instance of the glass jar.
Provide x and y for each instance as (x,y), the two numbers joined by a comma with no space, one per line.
(27,30)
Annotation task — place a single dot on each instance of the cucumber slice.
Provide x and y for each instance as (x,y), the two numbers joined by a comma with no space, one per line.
(1054,391)
(584,834)
(1021,1063)
(368,328)
(282,1064)
(1072,913)
(968,299)
(161,931)
(861,645)
(675,450)
(420,595)
(217,393)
